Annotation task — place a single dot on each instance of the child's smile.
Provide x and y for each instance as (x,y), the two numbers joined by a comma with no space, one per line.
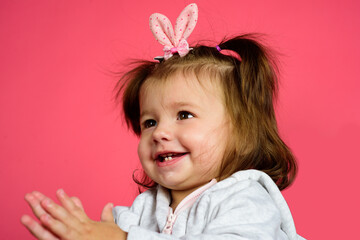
(183,130)
(168,158)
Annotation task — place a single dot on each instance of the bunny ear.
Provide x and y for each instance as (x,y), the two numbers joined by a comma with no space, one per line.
(162,29)
(186,23)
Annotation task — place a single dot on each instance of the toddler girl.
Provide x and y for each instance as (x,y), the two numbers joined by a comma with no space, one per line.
(212,157)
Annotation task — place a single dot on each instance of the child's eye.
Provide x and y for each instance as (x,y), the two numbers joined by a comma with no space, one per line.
(184,115)
(149,123)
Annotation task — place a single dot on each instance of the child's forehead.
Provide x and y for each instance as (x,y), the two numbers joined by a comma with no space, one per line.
(180,94)
(181,88)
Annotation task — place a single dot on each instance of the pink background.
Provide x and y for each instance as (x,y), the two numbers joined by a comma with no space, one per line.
(60,129)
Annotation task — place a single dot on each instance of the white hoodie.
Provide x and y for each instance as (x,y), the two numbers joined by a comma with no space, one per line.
(247,205)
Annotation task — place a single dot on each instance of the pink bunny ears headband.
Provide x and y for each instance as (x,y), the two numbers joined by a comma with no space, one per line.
(174,39)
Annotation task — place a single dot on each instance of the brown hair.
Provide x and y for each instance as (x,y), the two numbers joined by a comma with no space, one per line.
(249,81)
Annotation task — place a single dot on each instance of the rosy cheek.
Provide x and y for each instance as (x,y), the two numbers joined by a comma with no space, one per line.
(141,150)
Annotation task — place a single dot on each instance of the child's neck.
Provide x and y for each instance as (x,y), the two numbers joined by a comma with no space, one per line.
(178,195)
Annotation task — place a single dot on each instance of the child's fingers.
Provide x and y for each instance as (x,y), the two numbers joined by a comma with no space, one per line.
(59,213)
(69,205)
(106,215)
(36,229)
(77,202)
(39,195)
(57,227)
(35,205)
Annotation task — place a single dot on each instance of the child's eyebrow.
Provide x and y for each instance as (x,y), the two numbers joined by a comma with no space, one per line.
(183,104)
(145,112)
(175,105)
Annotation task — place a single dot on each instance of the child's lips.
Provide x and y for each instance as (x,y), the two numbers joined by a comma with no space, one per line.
(169,159)
(167,155)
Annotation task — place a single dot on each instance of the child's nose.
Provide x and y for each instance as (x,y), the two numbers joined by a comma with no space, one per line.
(162,132)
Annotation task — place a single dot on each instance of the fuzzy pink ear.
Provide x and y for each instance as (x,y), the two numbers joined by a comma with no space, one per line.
(186,23)
(162,29)
(174,41)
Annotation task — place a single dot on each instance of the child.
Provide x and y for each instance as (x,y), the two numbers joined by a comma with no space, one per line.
(212,157)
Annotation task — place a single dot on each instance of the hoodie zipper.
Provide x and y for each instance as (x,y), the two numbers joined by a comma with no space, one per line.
(184,204)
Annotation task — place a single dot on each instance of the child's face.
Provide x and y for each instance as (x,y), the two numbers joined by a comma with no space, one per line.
(184,128)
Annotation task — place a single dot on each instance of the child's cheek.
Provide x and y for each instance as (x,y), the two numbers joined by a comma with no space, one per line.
(143,150)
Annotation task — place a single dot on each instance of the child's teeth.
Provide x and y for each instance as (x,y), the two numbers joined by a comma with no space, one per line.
(168,158)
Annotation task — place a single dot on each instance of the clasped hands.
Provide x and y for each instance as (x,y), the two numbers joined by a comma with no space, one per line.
(68,221)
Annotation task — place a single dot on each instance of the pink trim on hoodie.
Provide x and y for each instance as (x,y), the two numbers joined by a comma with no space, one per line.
(187,202)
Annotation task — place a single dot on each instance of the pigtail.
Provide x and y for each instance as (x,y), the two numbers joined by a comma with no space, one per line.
(256,71)
(260,146)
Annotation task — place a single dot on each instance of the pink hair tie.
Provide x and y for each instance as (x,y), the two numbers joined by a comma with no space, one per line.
(174,39)
(218,48)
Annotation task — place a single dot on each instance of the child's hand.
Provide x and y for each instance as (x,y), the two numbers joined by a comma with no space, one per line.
(68,221)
